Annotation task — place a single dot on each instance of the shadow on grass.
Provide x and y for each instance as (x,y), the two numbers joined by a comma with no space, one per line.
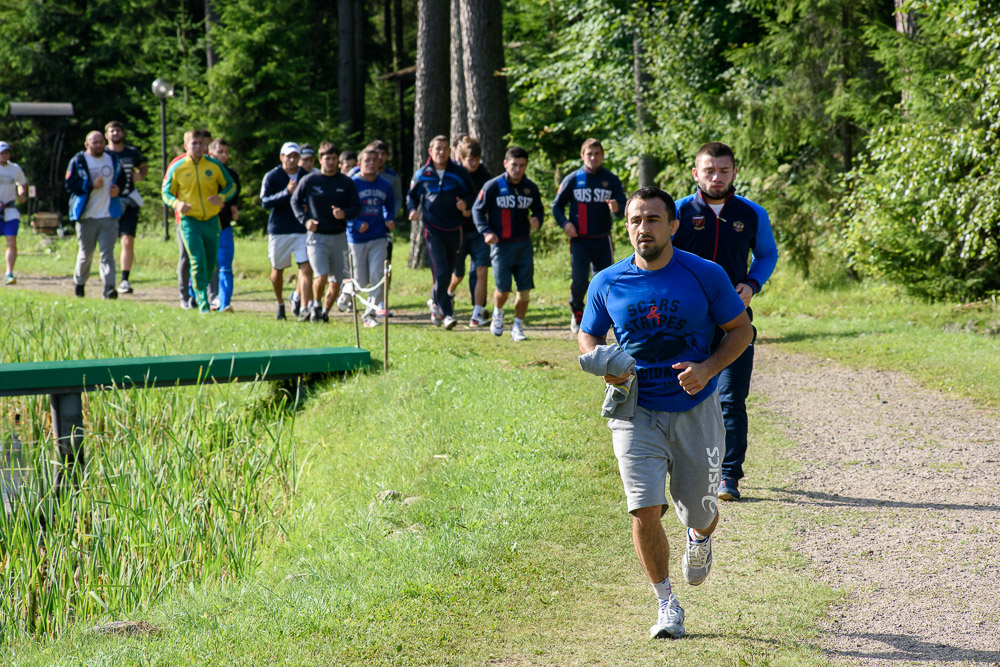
(800,336)
(835,500)
(911,649)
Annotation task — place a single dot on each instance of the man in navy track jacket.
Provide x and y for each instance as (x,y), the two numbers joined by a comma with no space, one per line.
(440,193)
(720,226)
(507,210)
(595,197)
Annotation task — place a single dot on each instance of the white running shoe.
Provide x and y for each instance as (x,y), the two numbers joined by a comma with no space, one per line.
(669,622)
(449,322)
(476,322)
(435,309)
(574,326)
(345,303)
(370,321)
(517,334)
(496,326)
(125,287)
(296,304)
(697,561)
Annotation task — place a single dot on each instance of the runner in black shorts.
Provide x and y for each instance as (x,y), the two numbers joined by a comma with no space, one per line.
(135,170)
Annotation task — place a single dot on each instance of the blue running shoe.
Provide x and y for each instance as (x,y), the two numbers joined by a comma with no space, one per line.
(729,489)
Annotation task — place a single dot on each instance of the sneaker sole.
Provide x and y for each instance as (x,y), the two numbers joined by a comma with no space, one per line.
(725,495)
(664,633)
(451,325)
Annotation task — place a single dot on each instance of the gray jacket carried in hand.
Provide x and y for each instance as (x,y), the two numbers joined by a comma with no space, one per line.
(619,399)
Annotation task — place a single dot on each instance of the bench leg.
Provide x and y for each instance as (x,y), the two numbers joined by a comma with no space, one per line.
(67,427)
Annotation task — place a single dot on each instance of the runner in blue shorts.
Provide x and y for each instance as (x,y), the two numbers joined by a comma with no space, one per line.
(13,191)
(665,305)
(507,210)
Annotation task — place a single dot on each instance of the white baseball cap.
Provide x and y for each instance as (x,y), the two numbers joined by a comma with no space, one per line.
(290,147)
(4,146)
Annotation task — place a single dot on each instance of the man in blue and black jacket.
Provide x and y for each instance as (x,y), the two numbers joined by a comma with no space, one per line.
(595,197)
(507,210)
(440,193)
(94,179)
(718,225)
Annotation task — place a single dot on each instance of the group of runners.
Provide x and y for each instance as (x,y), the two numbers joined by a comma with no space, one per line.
(677,374)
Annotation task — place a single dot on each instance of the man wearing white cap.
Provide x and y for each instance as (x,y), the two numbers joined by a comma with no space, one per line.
(13,191)
(286,237)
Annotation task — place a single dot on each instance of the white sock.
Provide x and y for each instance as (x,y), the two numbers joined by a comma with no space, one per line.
(498,309)
(518,322)
(477,311)
(451,294)
(662,590)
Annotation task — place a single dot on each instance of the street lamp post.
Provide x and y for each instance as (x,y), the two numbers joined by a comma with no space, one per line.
(164,89)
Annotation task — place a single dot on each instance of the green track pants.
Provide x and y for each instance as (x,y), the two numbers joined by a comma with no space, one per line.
(201,238)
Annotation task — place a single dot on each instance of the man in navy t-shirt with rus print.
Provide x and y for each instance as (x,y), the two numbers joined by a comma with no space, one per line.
(665,305)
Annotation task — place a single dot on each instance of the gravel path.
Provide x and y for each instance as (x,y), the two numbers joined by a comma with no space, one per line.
(900,487)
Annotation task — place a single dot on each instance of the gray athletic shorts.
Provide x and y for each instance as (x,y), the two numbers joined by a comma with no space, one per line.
(328,255)
(687,446)
(282,247)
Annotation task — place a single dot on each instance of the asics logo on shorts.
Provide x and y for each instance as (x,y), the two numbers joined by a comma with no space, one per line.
(710,501)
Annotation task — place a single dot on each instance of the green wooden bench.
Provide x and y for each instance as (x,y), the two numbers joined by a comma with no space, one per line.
(66,381)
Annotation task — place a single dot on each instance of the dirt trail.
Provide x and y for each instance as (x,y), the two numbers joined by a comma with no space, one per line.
(256,297)
(901,486)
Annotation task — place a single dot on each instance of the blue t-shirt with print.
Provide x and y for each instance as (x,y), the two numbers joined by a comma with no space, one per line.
(660,318)
(377,206)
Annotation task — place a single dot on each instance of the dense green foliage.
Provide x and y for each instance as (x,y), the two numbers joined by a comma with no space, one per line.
(923,208)
(865,144)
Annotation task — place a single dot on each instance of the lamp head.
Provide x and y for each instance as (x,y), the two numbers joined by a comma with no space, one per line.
(163,89)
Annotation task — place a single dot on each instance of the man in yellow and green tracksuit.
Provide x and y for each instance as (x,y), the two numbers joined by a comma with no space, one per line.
(197,186)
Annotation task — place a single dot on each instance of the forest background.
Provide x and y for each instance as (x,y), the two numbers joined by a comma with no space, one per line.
(869,129)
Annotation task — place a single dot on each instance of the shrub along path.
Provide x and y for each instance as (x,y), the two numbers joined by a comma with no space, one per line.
(898,505)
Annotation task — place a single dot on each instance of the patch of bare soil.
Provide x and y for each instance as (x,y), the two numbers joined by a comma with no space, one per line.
(902,490)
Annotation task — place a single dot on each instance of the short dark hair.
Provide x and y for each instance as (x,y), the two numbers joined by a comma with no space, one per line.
(347,155)
(327,148)
(217,143)
(587,143)
(200,133)
(653,192)
(514,152)
(457,140)
(470,147)
(378,145)
(715,149)
(113,123)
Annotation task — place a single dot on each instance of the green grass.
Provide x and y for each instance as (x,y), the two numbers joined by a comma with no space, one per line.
(516,549)
(950,347)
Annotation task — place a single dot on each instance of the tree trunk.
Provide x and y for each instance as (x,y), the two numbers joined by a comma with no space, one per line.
(459,106)
(846,73)
(643,122)
(345,62)
(433,99)
(404,150)
(906,24)
(485,79)
(210,21)
(360,77)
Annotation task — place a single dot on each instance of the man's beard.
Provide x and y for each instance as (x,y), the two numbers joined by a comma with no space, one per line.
(728,191)
(650,253)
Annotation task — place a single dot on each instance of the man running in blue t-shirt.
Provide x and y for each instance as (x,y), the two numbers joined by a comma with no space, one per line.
(665,305)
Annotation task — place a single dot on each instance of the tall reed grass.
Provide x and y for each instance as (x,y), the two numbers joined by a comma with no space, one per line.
(180,484)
